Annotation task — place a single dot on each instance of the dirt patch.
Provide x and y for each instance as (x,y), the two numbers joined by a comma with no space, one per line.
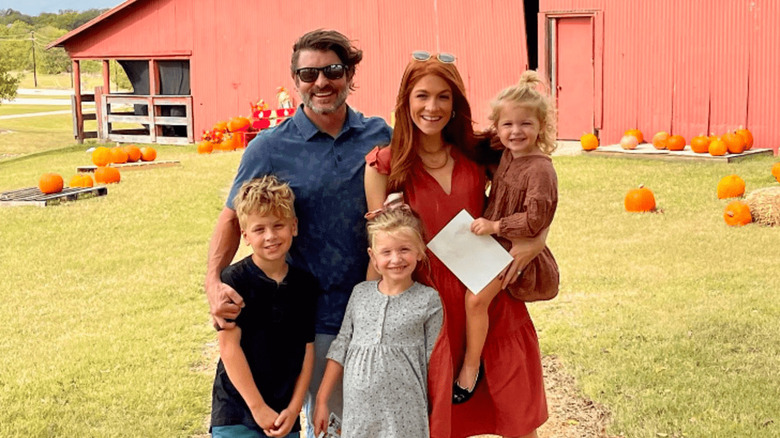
(571,414)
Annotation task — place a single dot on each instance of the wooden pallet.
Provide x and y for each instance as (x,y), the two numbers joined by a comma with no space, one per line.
(33,196)
(648,152)
(139,165)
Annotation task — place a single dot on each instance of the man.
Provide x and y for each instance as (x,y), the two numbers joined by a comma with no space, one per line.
(320,151)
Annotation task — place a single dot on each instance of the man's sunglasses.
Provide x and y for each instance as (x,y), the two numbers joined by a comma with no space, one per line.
(332,72)
(444,58)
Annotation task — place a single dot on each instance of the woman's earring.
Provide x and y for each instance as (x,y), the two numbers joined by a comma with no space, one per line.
(453,115)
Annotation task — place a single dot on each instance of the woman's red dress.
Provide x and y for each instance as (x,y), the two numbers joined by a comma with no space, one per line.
(510,399)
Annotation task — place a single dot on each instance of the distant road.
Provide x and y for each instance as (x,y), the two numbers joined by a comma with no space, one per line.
(41,92)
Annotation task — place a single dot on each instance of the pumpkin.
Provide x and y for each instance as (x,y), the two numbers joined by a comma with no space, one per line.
(118,155)
(101,156)
(639,200)
(107,175)
(50,183)
(589,142)
(221,126)
(717,148)
(747,135)
(205,147)
(734,143)
(776,171)
(737,214)
(629,142)
(133,153)
(238,124)
(660,139)
(81,180)
(676,143)
(148,153)
(714,137)
(700,144)
(636,133)
(731,186)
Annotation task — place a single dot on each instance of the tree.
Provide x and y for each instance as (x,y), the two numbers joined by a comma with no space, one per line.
(8,82)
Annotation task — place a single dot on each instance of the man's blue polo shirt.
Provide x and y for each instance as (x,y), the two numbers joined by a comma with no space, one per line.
(326,175)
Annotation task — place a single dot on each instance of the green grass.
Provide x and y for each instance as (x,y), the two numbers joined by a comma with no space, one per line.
(61,81)
(669,320)
(7,109)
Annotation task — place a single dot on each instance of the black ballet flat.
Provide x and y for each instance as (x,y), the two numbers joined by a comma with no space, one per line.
(461,394)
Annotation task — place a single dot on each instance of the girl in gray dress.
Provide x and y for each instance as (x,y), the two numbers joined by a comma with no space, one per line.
(386,339)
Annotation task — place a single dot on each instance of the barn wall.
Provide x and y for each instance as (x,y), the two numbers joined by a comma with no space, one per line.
(240,51)
(687,67)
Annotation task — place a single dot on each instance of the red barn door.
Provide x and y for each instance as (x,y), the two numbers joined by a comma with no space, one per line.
(573,75)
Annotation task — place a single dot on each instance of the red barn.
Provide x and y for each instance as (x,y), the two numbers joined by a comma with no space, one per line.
(690,67)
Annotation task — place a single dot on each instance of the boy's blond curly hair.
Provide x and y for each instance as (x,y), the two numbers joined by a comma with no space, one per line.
(265,196)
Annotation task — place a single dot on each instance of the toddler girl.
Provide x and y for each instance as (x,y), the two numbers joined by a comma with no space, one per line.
(522,202)
(386,338)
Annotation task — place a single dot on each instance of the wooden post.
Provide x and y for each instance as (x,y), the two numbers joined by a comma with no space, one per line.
(154,90)
(106,77)
(78,113)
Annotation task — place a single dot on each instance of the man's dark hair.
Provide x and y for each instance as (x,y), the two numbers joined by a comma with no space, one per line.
(324,40)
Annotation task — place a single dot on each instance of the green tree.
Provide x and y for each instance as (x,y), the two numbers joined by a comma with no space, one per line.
(54,60)
(8,82)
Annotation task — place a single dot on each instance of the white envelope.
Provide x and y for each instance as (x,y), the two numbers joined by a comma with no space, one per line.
(475,260)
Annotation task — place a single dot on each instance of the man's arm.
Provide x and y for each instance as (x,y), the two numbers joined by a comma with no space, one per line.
(224,301)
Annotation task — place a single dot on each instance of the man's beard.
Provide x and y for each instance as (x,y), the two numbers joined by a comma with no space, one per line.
(340,100)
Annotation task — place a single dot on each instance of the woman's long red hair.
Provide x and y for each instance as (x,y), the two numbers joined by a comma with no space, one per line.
(459,132)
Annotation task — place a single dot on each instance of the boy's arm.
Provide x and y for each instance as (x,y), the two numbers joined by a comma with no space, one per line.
(240,375)
(333,374)
(287,418)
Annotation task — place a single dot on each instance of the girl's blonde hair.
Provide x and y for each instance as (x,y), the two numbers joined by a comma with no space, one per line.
(394,222)
(265,196)
(526,93)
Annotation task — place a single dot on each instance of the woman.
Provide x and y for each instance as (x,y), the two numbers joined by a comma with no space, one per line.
(433,159)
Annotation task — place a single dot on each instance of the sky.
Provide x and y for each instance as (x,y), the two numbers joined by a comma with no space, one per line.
(35,7)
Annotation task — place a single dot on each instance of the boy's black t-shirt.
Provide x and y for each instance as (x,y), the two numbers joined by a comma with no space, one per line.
(276,324)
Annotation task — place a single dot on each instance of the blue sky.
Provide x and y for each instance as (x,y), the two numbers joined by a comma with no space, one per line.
(35,7)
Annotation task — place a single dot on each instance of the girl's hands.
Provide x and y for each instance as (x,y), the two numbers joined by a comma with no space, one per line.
(321,414)
(482,226)
(523,251)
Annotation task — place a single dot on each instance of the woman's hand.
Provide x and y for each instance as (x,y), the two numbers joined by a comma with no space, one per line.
(523,251)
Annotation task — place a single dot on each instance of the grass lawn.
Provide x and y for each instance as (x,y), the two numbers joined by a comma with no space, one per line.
(7,109)
(668,319)
(62,81)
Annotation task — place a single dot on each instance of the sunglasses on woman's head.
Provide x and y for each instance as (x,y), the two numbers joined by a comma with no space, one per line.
(444,58)
(332,72)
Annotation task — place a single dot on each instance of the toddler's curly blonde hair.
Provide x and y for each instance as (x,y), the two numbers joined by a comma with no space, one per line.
(266,196)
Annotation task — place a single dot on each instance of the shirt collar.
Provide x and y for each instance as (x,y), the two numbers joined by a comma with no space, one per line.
(309,129)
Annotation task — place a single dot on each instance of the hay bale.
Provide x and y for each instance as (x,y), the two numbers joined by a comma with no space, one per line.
(765,205)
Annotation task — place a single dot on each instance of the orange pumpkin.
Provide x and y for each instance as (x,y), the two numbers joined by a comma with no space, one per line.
(81,180)
(636,133)
(205,147)
(589,142)
(148,153)
(133,153)
(676,143)
(700,144)
(714,137)
(101,156)
(238,124)
(107,175)
(731,186)
(639,200)
(660,140)
(776,171)
(221,126)
(717,148)
(118,155)
(50,183)
(737,214)
(747,135)
(734,143)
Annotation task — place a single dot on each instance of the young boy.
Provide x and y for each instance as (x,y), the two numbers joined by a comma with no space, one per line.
(267,359)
